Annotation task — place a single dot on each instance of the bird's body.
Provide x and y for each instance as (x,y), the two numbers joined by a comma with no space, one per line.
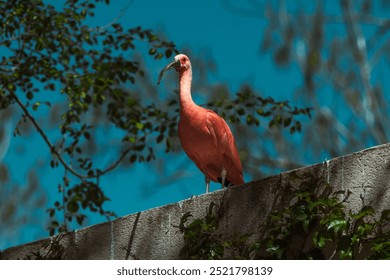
(207,140)
(204,135)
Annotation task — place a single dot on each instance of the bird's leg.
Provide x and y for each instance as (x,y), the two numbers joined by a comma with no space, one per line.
(223,176)
(207,180)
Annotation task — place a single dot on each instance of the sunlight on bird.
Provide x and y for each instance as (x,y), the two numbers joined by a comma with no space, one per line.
(204,135)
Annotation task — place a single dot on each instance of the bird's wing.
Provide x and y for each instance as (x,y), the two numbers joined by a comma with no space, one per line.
(226,145)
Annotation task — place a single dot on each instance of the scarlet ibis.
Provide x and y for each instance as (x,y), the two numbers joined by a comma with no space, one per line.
(204,135)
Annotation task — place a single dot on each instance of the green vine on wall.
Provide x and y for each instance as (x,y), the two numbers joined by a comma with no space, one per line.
(314,225)
(52,249)
(202,240)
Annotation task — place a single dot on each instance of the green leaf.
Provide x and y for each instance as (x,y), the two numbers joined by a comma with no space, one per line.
(364,229)
(364,212)
(133,158)
(168,53)
(241,111)
(298,126)
(346,254)
(80,219)
(36,105)
(287,122)
(320,242)
(139,125)
(87,135)
(158,56)
(55,224)
(72,206)
(249,119)
(337,225)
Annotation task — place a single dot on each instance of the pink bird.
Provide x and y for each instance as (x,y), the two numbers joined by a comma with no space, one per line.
(204,135)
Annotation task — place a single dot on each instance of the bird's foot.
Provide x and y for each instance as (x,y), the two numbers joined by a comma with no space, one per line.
(223,176)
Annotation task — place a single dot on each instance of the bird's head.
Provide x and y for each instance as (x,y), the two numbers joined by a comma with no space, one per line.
(181,63)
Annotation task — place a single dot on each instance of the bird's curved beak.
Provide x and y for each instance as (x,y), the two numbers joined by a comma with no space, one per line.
(171,65)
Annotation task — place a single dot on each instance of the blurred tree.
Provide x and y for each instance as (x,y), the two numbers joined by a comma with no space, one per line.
(14,201)
(342,50)
(54,64)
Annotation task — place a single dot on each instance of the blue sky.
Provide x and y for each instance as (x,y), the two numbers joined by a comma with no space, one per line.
(232,40)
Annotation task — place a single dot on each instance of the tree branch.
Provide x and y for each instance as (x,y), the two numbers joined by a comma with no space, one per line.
(46,139)
(121,14)
(358,43)
(58,155)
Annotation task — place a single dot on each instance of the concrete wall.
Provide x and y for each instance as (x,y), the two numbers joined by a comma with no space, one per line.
(151,234)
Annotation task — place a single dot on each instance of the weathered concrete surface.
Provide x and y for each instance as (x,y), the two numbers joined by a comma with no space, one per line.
(152,234)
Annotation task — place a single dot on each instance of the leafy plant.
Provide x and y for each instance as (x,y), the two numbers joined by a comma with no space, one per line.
(248,107)
(202,240)
(52,250)
(315,225)
(318,226)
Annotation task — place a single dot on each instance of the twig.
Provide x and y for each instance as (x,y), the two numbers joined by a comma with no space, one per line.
(45,138)
(122,12)
(64,209)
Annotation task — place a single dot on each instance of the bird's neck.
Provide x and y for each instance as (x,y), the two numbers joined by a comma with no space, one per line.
(185,89)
